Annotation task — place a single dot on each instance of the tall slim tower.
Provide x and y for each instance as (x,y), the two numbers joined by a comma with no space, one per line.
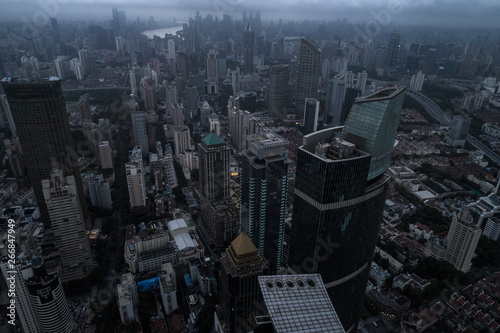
(212,84)
(308,71)
(136,183)
(248,47)
(56,33)
(311,111)
(140,130)
(63,204)
(39,113)
(48,299)
(241,265)
(461,241)
(264,187)
(277,94)
(339,199)
(391,58)
(214,167)
(335,100)
(219,221)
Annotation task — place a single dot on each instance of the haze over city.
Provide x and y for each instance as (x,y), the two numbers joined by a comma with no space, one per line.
(456,13)
(231,166)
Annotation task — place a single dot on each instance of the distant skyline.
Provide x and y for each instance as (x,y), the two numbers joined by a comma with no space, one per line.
(466,13)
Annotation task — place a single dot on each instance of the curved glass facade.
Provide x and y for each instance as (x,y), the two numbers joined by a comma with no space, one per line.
(372,125)
(336,219)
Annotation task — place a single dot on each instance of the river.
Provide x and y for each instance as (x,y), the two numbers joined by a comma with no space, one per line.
(161,32)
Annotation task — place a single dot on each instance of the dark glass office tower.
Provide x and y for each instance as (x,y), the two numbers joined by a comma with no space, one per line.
(391,59)
(338,201)
(248,46)
(277,94)
(264,192)
(307,72)
(42,126)
(311,111)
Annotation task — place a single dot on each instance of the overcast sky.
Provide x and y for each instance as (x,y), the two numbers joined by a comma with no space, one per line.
(479,13)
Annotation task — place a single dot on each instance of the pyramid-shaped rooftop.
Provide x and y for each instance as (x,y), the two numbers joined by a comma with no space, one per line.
(212,139)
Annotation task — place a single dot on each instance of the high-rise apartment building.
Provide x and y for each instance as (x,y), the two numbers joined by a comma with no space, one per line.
(241,265)
(39,112)
(148,93)
(461,242)
(264,191)
(248,47)
(105,155)
(277,94)
(100,194)
(339,200)
(140,130)
(308,72)
(417,81)
(182,140)
(67,223)
(311,112)
(239,126)
(136,183)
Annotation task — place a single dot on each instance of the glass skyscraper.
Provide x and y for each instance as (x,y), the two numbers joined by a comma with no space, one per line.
(338,207)
(372,125)
(264,192)
(39,113)
(307,72)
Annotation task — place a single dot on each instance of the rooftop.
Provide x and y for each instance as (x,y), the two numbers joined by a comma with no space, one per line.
(299,303)
(213,139)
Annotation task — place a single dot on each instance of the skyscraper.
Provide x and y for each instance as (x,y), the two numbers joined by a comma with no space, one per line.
(461,242)
(148,93)
(241,265)
(48,300)
(361,84)
(42,126)
(212,84)
(105,155)
(182,140)
(68,225)
(218,214)
(372,125)
(277,94)
(311,111)
(55,30)
(338,207)
(140,130)
(264,191)
(391,58)
(214,167)
(136,183)
(335,100)
(248,47)
(308,71)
